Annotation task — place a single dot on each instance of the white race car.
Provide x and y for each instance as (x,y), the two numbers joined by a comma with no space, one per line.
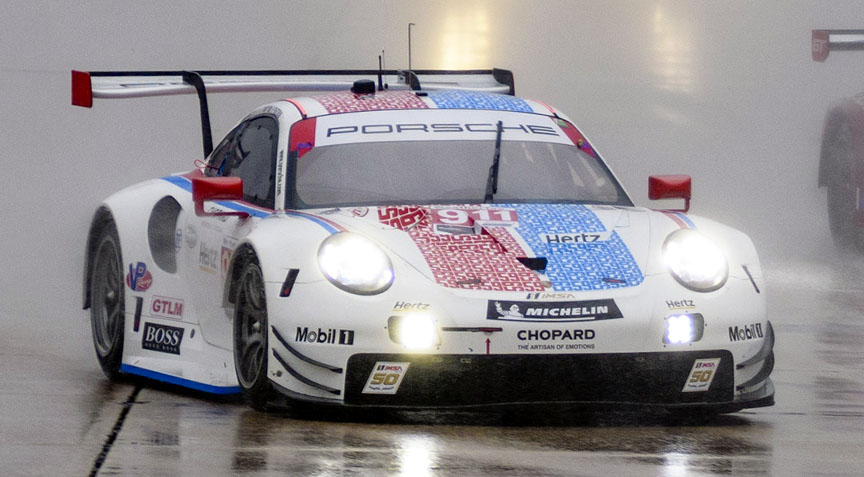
(416,239)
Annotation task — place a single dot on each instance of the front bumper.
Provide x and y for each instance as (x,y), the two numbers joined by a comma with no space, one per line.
(656,379)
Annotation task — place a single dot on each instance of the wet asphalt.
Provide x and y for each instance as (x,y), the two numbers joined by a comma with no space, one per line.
(59,415)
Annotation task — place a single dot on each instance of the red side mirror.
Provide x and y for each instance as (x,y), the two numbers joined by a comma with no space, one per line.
(216,188)
(670,187)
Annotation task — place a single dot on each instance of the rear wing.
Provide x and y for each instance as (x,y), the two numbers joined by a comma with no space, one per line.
(87,85)
(824,41)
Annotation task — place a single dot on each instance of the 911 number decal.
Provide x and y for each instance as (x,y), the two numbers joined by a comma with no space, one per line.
(701,375)
(385,378)
(468,217)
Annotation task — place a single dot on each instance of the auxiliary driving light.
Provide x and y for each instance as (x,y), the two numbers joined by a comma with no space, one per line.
(682,329)
(414,331)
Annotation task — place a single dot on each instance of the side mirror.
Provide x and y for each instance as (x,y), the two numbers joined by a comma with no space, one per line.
(670,187)
(216,188)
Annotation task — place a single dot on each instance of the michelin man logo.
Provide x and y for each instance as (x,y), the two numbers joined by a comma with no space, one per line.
(513,312)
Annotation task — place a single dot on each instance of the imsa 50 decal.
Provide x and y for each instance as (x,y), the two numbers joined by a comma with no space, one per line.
(701,375)
(385,378)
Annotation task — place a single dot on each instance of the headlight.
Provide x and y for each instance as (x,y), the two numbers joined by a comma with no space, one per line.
(695,261)
(684,328)
(355,264)
(414,331)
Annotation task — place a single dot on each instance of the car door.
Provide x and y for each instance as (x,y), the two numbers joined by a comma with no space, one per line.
(247,152)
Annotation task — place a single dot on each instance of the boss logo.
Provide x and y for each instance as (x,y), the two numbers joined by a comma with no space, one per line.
(161,338)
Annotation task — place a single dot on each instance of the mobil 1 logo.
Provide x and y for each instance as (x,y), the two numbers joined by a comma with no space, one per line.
(162,338)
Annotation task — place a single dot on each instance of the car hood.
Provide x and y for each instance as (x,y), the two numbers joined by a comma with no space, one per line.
(513,247)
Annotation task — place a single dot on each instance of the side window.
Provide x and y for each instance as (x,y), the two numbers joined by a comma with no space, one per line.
(251,156)
(219,157)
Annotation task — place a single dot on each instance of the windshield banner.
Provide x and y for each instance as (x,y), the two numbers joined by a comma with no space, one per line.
(445,125)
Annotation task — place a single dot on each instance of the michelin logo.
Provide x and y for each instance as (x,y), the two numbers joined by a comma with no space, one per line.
(587,310)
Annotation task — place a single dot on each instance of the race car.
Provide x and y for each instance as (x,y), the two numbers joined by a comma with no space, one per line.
(416,239)
(841,160)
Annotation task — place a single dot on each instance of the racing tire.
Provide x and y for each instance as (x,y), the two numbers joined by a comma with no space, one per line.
(837,149)
(250,337)
(107,305)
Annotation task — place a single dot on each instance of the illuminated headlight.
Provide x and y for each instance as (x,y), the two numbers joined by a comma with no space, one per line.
(355,264)
(695,261)
(684,328)
(416,331)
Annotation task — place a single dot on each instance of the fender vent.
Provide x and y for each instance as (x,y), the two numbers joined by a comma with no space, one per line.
(160,233)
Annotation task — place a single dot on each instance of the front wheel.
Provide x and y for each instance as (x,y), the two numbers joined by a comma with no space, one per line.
(107,309)
(250,337)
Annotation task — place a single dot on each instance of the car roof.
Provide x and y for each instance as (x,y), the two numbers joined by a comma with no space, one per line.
(348,102)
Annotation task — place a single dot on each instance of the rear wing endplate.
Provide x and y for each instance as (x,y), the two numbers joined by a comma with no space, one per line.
(824,41)
(87,85)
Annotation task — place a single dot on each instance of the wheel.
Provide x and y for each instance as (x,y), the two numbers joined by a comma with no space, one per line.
(107,309)
(250,337)
(841,190)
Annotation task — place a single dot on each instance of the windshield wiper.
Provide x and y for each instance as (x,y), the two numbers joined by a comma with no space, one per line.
(492,180)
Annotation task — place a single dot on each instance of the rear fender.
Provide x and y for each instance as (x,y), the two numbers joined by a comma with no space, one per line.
(832,169)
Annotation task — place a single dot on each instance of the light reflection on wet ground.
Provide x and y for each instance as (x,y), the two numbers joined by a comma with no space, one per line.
(57,412)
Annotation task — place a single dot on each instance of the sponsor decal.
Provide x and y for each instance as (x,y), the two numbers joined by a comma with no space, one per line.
(269,109)
(190,236)
(410,306)
(552,311)
(162,338)
(575,238)
(214,209)
(385,378)
(432,128)
(747,332)
(679,304)
(328,336)
(701,375)
(280,167)
(467,218)
(166,307)
(438,125)
(178,239)
(138,278)
(360,211)
(208,258)
(545,340)
(550,296)
(226,259)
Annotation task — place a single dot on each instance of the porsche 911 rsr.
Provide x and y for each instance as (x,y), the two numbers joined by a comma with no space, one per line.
(434,242)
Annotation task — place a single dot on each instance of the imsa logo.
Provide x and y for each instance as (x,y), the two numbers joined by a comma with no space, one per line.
(162,338)
(745,333)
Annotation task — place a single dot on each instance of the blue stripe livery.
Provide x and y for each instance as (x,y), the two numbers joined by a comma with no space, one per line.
(470,100)
(600,265)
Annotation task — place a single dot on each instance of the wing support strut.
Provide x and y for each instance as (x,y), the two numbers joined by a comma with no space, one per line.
(194,79)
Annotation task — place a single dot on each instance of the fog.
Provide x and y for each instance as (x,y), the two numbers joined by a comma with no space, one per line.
(723,91)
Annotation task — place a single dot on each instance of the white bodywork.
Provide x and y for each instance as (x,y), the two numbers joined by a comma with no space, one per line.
(327,325)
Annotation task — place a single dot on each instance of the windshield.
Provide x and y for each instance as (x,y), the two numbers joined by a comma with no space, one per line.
(532,168)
